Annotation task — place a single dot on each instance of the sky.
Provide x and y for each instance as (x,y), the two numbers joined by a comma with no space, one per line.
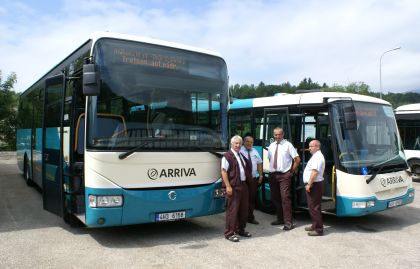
(274,42)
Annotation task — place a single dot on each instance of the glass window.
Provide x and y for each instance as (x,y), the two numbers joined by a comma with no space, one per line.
(160,98)
(373,142)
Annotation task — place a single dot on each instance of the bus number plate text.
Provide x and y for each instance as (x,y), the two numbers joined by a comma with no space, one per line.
(170,216)
(395,203)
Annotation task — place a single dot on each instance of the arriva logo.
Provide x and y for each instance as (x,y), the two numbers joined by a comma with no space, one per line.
(391,180)
(154,174)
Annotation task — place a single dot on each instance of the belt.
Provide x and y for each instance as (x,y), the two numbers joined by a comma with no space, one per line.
(278,172)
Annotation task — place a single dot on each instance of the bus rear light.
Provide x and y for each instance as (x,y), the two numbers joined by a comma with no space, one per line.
(105,201)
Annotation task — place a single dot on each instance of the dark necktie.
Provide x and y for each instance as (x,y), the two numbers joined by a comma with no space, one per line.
(242,161)
(249,154)
(275,157)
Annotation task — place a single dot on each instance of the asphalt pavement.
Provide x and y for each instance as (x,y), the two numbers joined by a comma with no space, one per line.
(31,237)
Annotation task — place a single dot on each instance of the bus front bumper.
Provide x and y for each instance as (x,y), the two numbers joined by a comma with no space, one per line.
(348,206)
(145,206)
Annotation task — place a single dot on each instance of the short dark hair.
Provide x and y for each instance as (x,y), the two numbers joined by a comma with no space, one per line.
(248,134)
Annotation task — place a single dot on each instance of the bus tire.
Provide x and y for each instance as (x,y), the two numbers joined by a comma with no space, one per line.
(415,169)
(26,174)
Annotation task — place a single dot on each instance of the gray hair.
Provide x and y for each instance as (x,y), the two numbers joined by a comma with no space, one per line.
(236,138)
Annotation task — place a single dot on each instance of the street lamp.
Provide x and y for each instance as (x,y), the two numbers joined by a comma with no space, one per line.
(380,70)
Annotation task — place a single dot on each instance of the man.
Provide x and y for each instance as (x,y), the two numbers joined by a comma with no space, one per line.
(252,155)
(313,180)
(235,173)
(284,160)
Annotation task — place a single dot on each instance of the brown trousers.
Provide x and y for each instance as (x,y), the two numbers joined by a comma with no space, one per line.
(252,190)
(280,184)
(314,199)
(236,210)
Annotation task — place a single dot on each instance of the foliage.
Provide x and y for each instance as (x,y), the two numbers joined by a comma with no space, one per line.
(8,111)
(262,90)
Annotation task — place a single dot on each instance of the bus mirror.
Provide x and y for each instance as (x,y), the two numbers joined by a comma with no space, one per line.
(90,80)
(350,119)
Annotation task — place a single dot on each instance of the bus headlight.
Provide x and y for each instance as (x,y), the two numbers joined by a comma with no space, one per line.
(411,194)
(362,204)
(219,193)
(105,200)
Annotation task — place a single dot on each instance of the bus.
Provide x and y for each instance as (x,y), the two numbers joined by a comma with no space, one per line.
(127,130)
(366,169)
(408,121)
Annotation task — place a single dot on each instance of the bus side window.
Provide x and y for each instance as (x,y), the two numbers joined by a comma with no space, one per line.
(80,137)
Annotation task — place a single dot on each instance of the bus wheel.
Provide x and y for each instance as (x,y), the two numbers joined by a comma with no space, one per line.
(415,169)
(26,173)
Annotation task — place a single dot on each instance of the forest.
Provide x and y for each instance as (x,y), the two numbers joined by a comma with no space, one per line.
(9,99)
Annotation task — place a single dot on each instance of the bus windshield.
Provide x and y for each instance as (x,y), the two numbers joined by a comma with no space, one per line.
(157,98)
(373,143)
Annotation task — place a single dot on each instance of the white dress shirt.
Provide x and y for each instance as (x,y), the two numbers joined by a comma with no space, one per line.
(285,155)
(255,159)
(225,164)
(316,162)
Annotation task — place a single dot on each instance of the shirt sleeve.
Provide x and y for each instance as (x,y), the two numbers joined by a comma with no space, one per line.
(225,164)
(292,151)
(257,156)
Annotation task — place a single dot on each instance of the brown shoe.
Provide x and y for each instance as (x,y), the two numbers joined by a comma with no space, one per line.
(308,228)
(315,233)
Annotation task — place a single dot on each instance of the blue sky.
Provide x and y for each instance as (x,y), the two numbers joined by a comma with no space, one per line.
(336,42)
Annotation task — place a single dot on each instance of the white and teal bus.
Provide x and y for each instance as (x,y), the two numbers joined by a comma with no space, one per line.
(408,120)
(127,130)
(366,169)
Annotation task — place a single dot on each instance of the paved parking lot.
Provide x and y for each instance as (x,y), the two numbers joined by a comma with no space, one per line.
(33,238)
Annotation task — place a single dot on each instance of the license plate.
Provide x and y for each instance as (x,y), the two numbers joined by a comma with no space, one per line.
(170,216)
(395,203)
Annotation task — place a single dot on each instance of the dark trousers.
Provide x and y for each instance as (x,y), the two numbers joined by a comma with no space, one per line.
(236,210)
(314,199)
(280,184)
(252,189)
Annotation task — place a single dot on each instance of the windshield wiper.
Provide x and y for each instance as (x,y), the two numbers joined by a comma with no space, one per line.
(131,151)
(380,166)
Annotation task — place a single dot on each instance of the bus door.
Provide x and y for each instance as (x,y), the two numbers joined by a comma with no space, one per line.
(52,184)
(273,117)
(316,126)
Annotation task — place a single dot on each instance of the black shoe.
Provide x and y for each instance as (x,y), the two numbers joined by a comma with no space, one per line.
(277,222)
(245,234)
(253,221)
(233,238)
(288,227)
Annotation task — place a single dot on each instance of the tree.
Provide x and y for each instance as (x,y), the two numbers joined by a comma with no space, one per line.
(8,111)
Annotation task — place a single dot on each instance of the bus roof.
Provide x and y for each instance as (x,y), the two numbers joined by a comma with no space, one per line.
(408,109)
(302,99)
(100,34)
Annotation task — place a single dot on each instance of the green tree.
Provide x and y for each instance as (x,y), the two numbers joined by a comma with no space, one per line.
(8,111)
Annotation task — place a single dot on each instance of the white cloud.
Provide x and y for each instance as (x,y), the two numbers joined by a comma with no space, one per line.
(336,42)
